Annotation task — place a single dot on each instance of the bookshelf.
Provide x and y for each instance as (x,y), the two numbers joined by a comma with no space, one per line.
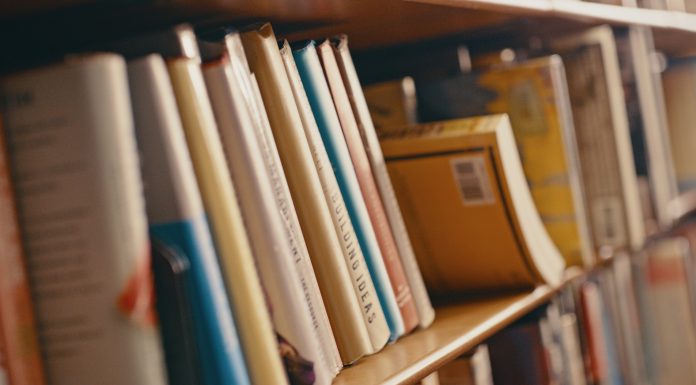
(457,329)
(370,25)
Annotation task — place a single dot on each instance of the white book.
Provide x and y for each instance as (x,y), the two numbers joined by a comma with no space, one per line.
(271,160)
(70,130)
(280,258)
(426,313)
(365,292)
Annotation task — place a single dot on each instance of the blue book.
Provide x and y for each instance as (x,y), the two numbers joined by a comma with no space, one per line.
(326,117)
(177,220)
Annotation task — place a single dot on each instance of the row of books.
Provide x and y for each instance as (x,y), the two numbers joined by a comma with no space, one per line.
(278,250)
(630,321)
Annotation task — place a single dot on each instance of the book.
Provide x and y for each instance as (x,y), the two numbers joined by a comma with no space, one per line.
(667,310)
(426,313)
(517,354)
(280,253)
(602,346)
(265,62)
(535,95)
(467,206)
(177,220)
(392,102)
(171,271)
(646,111)
(21,359)
(269,151)
(83,221)
(373,317)
(321,103)
(368,187)
(602,132)
(678,80)
(472,368)
(179,48)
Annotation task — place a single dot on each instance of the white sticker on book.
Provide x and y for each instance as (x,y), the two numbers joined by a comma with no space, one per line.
(608,221)
(472,179)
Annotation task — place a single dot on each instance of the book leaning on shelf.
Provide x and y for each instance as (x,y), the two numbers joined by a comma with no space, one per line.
(535,95)
(83,221)
(467,206)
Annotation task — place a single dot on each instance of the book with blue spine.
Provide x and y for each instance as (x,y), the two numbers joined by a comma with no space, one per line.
(176,218)
(321,103)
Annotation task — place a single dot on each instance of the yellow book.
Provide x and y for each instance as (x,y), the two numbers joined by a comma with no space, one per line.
(251,314)
(535,96)
(467,206)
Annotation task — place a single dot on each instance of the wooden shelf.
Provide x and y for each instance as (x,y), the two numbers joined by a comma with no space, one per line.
(457,329)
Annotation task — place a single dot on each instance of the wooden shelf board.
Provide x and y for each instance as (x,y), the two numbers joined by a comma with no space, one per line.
(457,329)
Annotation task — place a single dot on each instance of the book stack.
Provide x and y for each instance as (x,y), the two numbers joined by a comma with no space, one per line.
(225,207)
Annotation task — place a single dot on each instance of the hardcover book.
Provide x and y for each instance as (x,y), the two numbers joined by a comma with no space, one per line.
(324,111)
(535,95)
(426,313)
(83,221)
(368,187)
(467,206)
(373,319)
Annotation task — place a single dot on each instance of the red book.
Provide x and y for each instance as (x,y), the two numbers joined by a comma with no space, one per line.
(18,338)
(368,187)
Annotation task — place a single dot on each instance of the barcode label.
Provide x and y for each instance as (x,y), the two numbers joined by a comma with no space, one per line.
(472,180)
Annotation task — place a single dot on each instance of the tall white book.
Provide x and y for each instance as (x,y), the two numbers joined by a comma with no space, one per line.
(363,286)
(280,253)
(70,130)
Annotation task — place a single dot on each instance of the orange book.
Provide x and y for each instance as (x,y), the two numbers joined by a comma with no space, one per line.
(368,187)
(18,338)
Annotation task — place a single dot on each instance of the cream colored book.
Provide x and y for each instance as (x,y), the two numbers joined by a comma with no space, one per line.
(359,277)
(426,313)
(468,208)
(602,134)
(282,261)
(220,202)
(305,186)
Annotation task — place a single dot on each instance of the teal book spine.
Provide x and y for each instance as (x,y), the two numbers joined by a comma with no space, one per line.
(321,103)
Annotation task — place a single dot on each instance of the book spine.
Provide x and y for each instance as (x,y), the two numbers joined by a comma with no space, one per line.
(19,348)
(278,257)
(426,313)
(86,234)
(264,59)
(176,216)
(229,234)
(368,187)
(330,129)
(364,288)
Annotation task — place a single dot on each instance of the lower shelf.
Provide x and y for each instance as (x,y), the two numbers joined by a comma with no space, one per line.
(457,329)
